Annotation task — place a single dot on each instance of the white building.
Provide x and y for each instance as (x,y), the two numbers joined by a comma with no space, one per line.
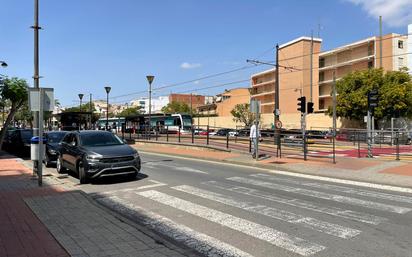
(157,103)
(409,48)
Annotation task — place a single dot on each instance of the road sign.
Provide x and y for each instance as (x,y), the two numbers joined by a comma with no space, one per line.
(34,99)
(254,106)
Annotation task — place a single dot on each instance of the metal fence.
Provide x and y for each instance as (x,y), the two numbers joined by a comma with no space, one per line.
(313,144)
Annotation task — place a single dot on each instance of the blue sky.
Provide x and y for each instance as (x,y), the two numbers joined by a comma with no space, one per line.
(88,44)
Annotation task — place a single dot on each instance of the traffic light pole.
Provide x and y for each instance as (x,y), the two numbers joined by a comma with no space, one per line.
(277,111)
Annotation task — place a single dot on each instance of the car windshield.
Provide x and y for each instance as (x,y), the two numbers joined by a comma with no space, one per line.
(100,139)
(55,137)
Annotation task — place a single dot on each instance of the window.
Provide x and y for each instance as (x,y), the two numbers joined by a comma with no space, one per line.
(400,44)
(400,62)
(321,76)
(321,62)
(370,64)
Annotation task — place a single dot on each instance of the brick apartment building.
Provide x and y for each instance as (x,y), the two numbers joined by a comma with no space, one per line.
(225,102)
(294,80)
(196,101)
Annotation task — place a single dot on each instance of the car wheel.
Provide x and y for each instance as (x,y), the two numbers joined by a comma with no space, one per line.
(82,173)
(59,166)
(46,161)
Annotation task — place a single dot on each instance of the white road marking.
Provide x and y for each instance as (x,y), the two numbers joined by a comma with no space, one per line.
(334,211)
(202,243)
(156,184)
(312,223)
(296,174)
(178,168)
(277,238)
(397,198)
(326,196)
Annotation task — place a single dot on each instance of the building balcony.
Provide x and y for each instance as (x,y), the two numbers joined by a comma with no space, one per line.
(263,83)
(350,62)
(263,94)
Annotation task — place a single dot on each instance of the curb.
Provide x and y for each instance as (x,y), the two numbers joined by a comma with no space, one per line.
(185,144)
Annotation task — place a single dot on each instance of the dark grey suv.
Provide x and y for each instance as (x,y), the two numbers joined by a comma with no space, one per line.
(94,154)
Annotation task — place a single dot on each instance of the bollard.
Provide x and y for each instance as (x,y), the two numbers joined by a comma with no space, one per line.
(207,135)
(359,155)
(227,140)
(179,134)
(334,146)
(304,148)
(156,134)
(250,145)
(167,133)
(397,147)
(193,135)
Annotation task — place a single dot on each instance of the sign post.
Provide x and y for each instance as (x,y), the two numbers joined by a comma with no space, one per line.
(40,100)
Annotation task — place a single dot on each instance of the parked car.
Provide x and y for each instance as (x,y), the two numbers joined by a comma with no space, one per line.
(52,146)
(18,141)
(93,154)
(233,133)
(223,132)
(316,134)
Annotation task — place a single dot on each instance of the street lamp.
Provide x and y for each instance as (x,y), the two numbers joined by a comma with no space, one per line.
(3,64)
(150,79)
(81,97)
(107,103)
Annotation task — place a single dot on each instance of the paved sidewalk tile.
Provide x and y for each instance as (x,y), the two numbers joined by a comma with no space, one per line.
(21,232)
(85,229)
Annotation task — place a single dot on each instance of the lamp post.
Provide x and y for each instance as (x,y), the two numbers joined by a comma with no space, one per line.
(81,98)
(4,65)
(80,110)
(150,79)
(107,104)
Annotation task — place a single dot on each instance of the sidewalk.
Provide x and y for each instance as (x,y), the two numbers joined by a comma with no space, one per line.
(394,173)
(55,221)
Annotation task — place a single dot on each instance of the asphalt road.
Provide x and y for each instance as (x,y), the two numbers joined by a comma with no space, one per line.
(228,210)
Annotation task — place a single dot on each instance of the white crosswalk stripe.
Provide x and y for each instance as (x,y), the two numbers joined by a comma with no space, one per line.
(322,195)
(169,166)
(270,235)
(386,196)
(207,245)
(309,222)
(334,211)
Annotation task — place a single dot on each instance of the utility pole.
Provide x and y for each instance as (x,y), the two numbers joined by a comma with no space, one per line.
(311,68)
(380,42)
(334,115)
(36,77)
(277,111)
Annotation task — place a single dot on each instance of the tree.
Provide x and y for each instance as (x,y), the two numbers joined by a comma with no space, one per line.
(394,90)
(14,90)
(176,107)
(129,112)
(241,113)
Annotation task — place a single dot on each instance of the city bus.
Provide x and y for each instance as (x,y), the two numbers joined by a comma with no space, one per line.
(159,122)
(113,123)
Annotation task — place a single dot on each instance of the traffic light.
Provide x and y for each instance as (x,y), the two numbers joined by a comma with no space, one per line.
(310,107)
(373,99)
(302,104)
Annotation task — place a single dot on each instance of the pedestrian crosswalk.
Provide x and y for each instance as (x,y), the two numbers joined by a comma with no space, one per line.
(302,209)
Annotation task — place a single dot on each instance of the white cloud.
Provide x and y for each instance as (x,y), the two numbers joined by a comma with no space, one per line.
(395,13)
(196,82)
(187,65)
